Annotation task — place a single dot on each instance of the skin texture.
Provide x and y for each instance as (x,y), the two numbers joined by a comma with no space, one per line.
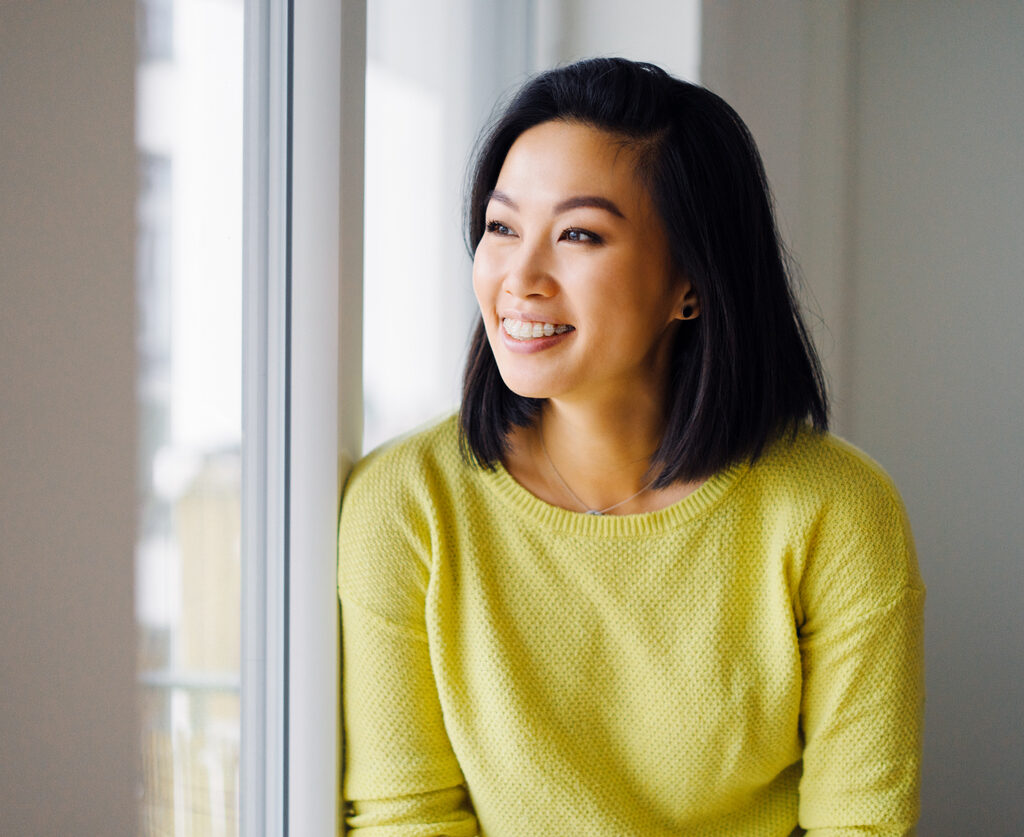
(573,238)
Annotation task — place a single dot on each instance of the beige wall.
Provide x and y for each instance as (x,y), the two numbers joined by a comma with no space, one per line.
(67,438)
(937,363)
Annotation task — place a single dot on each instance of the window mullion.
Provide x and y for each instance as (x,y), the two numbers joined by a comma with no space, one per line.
(264,518)
(324,381)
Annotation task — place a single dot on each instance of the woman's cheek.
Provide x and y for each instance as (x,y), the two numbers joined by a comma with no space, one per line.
(485,276)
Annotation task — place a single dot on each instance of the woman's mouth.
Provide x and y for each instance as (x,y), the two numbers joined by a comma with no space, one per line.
(526,330)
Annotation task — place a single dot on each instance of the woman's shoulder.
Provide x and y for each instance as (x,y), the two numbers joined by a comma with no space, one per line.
(392,502)
(851,516)
(821,464)
(406,461)
(822,483)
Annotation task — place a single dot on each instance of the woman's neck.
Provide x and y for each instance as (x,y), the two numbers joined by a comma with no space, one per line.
(587,459)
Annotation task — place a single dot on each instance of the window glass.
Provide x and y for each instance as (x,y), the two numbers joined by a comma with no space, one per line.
(189,135)
(433,72)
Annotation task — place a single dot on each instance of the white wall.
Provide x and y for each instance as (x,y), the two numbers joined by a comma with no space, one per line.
(894,137)
(67,435)
(664,32)
(784,66)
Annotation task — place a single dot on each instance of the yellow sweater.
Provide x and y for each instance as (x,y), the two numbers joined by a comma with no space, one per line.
(744,662)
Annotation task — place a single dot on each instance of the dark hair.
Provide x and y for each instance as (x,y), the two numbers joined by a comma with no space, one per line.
(745,370)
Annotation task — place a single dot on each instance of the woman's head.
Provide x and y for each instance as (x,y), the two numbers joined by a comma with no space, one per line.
(567,221)
(744,368)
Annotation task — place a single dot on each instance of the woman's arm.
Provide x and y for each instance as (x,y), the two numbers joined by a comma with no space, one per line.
(862,723)
(401,778)
(861,644)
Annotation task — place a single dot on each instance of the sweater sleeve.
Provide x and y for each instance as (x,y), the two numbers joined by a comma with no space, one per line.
(861,644)
(401,778)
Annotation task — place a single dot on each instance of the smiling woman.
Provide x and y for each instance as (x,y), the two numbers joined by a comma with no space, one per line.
(636,587)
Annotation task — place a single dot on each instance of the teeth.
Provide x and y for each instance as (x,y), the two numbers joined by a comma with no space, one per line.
(523,330)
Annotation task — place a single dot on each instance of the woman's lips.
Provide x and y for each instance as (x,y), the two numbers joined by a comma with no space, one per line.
(518,335)
(528,330)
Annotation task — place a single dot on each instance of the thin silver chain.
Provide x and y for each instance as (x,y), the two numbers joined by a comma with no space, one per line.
(575,496)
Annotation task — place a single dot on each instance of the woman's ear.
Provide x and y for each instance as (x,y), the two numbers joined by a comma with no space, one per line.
(689,308)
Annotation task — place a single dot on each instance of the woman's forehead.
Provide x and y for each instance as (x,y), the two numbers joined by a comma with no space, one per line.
(557,161)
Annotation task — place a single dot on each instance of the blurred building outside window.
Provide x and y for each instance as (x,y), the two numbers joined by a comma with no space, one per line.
(189,137)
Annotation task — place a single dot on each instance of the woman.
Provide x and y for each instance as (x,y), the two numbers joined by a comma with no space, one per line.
(635,588)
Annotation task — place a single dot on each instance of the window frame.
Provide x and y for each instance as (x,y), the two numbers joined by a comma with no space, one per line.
(304,106)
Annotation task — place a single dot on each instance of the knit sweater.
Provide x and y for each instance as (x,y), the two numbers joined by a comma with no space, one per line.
(745,662)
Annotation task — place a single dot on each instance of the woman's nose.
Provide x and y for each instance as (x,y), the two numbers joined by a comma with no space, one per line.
(530,273)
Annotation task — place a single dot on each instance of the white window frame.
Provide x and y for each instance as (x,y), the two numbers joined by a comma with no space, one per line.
(305,80)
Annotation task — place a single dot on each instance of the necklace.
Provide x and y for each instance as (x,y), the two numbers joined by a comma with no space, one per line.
(565,485)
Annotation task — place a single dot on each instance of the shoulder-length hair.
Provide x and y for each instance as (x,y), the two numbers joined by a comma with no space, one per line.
(742,372)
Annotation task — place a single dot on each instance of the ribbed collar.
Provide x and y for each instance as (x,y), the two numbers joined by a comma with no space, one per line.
(511,493)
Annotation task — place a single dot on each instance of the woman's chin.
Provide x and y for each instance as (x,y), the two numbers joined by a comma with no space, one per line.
(529,387)
(527,391)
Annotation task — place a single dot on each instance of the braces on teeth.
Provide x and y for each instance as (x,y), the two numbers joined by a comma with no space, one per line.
(522,330)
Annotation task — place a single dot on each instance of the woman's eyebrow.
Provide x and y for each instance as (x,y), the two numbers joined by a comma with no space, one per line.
(594,201)
(501,197)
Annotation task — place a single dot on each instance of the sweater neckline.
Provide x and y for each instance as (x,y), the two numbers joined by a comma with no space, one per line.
(613,525)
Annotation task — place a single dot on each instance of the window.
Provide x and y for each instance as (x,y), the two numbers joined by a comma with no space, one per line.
(251,342)
(188,274)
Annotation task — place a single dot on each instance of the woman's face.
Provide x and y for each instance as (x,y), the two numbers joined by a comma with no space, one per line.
(573,274)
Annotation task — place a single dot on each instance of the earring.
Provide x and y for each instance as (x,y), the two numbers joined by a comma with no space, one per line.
(687,312)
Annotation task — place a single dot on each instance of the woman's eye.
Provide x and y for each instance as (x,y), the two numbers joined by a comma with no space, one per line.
(581,236)
(498,228)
